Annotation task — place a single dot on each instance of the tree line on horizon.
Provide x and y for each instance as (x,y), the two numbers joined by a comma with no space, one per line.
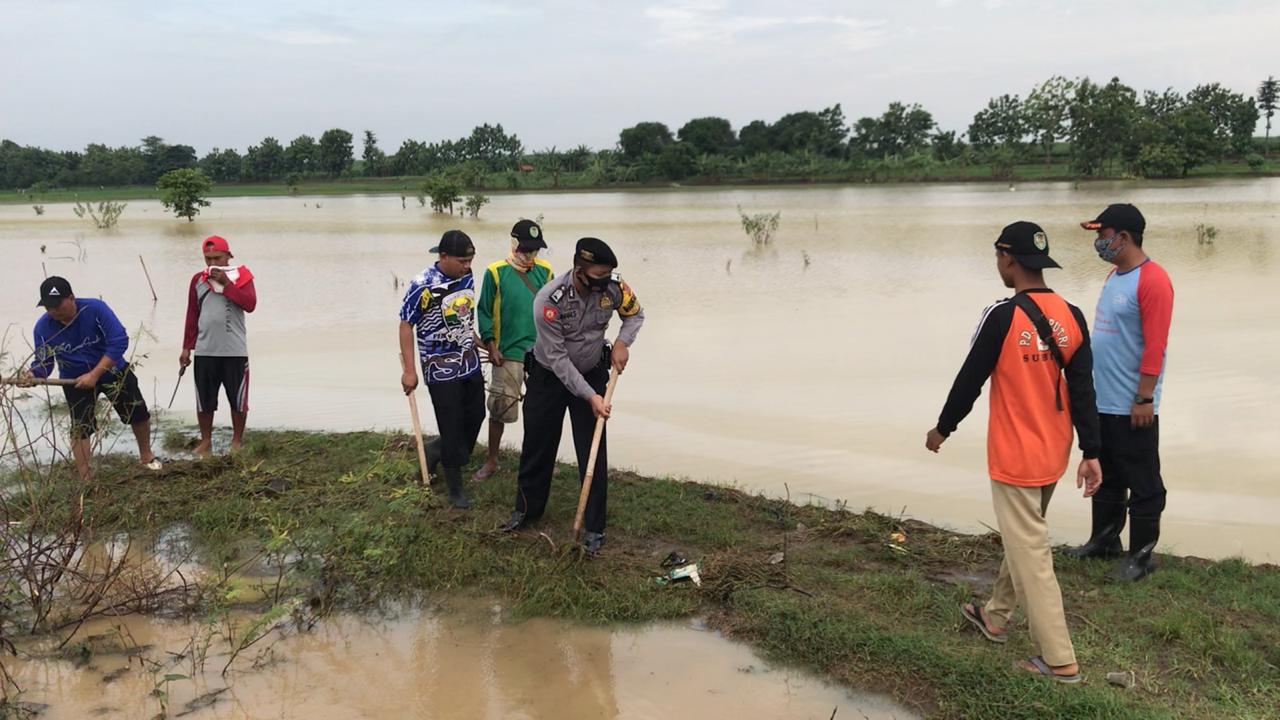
(1096,129)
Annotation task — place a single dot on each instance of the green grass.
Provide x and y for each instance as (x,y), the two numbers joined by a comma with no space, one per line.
(1203,637)
(573,181)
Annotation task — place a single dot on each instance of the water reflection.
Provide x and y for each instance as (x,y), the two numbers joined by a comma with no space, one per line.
(447,666)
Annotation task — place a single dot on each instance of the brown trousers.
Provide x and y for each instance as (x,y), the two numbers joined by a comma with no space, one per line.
(1026,573)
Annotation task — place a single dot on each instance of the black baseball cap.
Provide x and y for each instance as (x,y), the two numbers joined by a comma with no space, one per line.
(1028,244)
(594,250)
(1120,216)
(53,291)
(455,243)
(528,235)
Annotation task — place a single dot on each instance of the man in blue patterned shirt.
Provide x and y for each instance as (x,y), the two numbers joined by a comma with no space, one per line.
(439,309)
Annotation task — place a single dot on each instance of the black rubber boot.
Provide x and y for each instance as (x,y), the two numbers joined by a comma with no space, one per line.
(434,454)
(513,524)
(592,542)
(457,496)
(1144,533)
(1104,540)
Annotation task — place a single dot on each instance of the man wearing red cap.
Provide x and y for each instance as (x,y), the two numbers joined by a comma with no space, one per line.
(217,300)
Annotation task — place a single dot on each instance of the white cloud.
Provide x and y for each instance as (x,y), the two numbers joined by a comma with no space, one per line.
(307,37)
(708,21)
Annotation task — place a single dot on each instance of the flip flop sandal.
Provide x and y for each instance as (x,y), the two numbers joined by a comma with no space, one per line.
(1040,667)
(979,620)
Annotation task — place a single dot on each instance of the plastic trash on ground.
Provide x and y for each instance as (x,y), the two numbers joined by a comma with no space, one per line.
(681,574)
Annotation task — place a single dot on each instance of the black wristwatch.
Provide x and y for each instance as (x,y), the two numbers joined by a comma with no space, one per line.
(1140,400)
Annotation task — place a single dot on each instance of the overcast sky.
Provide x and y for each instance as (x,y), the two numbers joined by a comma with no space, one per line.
(565,72)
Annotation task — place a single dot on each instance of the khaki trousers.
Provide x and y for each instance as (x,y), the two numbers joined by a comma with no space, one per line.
(1026,573)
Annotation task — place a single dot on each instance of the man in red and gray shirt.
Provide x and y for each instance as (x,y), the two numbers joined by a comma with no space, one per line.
(217,300)
(1130,335)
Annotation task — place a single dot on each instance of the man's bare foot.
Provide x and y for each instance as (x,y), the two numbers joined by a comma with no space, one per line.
(486,471)
(236,445)
(974,613)
(204,448)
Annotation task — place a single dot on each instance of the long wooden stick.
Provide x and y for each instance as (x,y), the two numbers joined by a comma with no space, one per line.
(37,381)
(144,272)
(591,458)
(417,430)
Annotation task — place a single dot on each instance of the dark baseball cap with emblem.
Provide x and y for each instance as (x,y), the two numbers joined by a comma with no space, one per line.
(53,291)
(455,243)
(594,250)
(1028,244)
(1119,216)
(528,235)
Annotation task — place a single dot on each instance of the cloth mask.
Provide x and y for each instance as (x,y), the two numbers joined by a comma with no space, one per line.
(1103,246)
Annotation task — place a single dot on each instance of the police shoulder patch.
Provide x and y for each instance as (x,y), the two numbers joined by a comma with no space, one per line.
(630,304)
(550,313)
(557,295)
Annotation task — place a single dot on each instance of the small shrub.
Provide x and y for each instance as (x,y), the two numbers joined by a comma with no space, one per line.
(760,227)
(1256,162)
(104,216)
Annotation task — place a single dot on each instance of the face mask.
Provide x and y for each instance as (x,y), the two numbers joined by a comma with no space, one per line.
(1105,251)
(594,283)
(521,260)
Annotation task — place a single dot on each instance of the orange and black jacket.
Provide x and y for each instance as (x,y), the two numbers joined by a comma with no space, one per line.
(1030,429)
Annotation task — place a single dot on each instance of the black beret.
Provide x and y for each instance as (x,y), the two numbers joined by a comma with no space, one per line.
(594,250)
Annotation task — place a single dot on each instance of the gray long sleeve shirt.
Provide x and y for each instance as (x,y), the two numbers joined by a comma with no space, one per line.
(571,327)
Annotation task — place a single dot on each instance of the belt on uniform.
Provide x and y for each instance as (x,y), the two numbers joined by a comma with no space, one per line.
(530,362)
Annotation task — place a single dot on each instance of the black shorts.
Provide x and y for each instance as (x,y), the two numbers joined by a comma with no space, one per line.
(213,373)
(120,387)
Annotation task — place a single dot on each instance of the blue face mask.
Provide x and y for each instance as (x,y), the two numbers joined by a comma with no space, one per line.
(1105,251)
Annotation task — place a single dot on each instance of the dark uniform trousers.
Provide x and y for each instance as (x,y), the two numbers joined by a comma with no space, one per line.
(1130,460)
(545,400)
(459,408)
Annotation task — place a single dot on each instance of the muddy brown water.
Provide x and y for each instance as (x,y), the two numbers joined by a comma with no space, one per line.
(424,664)
(818,363)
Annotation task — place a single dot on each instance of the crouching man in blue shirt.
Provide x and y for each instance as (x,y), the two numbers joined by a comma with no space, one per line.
(87,341)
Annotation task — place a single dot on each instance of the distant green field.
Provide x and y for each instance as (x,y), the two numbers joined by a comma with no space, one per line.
(545,182)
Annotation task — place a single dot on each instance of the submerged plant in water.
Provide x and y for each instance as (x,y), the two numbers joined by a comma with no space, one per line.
(760,227)
(105,215)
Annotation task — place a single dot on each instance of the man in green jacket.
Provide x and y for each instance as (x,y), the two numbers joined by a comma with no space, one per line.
(507,329)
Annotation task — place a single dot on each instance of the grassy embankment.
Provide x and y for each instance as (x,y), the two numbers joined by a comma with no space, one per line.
(1202,637)
(574,181)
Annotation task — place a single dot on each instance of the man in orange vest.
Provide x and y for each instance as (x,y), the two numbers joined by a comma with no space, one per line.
(1025,345)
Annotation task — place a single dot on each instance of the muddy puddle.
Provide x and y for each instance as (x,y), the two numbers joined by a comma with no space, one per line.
(423,663)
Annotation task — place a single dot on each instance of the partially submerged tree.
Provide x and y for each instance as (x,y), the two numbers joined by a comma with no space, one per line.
(473,204)
(443,191)
(184,192)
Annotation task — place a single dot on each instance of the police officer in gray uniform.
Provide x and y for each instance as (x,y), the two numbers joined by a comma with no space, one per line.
(569,369)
